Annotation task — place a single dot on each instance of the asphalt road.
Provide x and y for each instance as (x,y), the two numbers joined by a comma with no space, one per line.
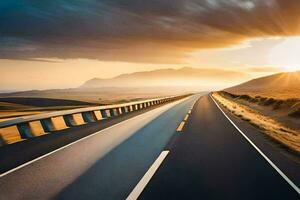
(211,159)
(104,165)
(19,153)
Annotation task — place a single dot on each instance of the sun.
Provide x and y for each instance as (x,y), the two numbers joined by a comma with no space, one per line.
(286,55)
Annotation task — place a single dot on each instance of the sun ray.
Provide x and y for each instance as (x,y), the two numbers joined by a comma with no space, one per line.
(285,55)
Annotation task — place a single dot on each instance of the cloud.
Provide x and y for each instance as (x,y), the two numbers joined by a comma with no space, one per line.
(263,69)
(162,31)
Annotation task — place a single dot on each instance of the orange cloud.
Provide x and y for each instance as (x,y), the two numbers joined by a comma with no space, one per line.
(157,31)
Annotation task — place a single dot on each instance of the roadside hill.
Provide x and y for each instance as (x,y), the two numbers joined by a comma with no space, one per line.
(281,86)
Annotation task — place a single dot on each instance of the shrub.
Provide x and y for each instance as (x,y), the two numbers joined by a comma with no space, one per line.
(295,113)
(269,101)
(277,104)
(245,97)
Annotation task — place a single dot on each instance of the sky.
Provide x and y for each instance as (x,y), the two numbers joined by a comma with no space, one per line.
(62,43)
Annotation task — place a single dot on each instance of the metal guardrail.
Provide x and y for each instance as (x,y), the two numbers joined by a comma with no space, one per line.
(88,114)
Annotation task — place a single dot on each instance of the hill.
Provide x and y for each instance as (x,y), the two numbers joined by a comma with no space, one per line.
(185,76)
(140,85)
(281,86)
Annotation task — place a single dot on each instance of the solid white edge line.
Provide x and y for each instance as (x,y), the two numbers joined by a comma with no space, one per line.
(72,143)
(293,185)
(61,148)
(147,177)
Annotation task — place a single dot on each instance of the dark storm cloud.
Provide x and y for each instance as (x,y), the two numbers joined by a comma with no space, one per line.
(137,30)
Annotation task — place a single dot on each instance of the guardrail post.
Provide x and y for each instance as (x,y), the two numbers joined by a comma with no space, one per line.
(88,116)
(103,113)
(97,115)
(47,125)
(119,111)
(133,107)
(69,120)
(25,130)
(123,109)
(140,106)
(112,112)
(126,109)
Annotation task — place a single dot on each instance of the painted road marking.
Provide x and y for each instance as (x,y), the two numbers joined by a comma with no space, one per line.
(180,127)
(293,185)
(147,177)
(186,117)
(81,139)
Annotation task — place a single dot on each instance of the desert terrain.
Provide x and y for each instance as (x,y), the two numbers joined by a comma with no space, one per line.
(26,103)
(13,107)
(272,104)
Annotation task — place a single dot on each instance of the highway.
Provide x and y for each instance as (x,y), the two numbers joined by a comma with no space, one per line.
(107,163)
(210,159)
(143,156)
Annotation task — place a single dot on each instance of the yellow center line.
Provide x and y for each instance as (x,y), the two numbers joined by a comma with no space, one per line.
(180,127)
(186,117)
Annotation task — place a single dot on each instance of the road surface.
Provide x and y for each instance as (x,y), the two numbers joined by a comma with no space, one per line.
(211,159)
(106,164)
(14,155)
(145,157)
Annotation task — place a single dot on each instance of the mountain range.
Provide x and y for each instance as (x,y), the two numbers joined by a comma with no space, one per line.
(174,81)
(185,76)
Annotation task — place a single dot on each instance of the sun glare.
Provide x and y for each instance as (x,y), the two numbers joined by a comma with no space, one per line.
(286,55)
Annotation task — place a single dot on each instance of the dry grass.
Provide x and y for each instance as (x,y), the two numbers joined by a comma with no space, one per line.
(274,129)
(271,93)
(286,112)
(105,96)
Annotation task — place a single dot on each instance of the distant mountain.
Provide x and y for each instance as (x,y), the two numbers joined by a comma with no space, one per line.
(141,85)
(281,85)
(167,77)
